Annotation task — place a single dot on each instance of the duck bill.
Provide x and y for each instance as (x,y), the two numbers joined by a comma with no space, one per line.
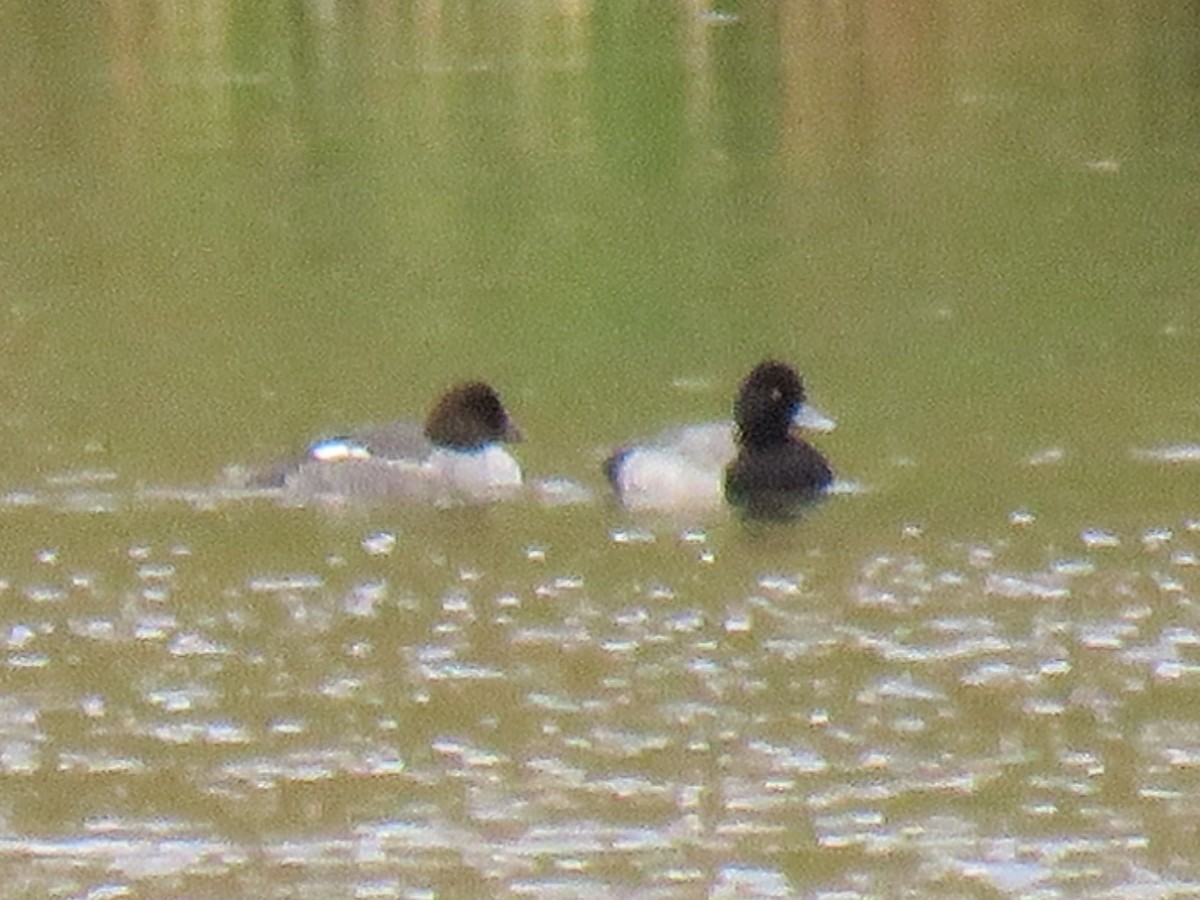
(809,418)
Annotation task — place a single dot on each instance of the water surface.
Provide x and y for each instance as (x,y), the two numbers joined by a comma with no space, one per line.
(231,227)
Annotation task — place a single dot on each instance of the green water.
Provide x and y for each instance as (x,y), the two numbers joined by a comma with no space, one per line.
(227,227)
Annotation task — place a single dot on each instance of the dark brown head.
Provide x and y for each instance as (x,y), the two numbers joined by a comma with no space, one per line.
(767,400)
(470,416)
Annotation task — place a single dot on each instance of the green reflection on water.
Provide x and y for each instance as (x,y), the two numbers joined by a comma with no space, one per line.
(320,216)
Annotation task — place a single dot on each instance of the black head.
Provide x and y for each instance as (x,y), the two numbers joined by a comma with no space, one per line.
(470,416)
(767,400)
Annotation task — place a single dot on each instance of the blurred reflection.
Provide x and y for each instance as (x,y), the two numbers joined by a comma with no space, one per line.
(804,81)
(746,54)
(380,172)
(51,51)
(638,81)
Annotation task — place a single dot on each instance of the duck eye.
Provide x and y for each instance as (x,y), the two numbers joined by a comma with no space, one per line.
(776,394)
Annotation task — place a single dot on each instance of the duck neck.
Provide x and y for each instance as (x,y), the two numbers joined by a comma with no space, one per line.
(762,434)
